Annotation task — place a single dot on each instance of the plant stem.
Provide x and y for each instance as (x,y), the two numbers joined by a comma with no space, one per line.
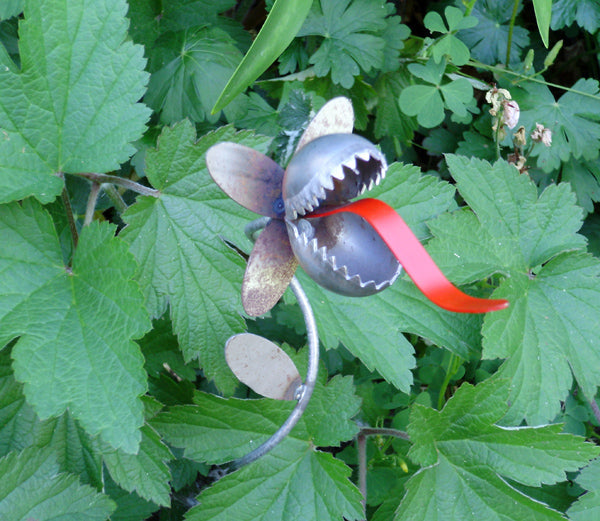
(453,365)
(115,197)
(70,217)
(479,65)
(595,409)
(470,7)
(91,204)
(120,181)
(361,442)
(382,431)
(510,30)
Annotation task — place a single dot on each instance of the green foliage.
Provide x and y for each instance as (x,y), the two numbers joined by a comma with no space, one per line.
(122,261)
(32,488)
(45,130)
(97,288)
(488,40)
(427,102)
(280,27)
(586,13)
(588,505)
(574,119)
(448,45)
(550,283)
(468,455)
(198,274)
(352,32)
(180,64)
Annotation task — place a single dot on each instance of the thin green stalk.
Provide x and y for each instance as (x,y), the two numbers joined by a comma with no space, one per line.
(521,76)
(362,455)
(70,217)
(115,197)
(120,181)
(91,204)
(453,365)
(469,7)
(381,431)
(362,470)
(511,29)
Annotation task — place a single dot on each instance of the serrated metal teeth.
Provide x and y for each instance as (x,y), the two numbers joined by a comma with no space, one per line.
(338,172)
(365,155)
(350,163)
(327,184)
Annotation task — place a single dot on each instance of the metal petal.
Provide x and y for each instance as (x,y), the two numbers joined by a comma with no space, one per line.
(248,177)
(335,117)
(262,366)
(270,268)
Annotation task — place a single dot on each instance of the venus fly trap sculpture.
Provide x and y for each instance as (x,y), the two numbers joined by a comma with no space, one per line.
(355,249)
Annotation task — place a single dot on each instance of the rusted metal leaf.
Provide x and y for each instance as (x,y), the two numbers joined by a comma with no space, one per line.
(250,178)
(270,268)
(262,366)
(335,117)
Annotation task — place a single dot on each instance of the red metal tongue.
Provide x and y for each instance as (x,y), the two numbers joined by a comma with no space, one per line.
(414,258)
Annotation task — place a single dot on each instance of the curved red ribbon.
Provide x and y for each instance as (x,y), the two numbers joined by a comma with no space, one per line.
(414,258)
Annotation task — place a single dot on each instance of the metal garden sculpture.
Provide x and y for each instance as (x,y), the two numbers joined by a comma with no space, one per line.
(355,249)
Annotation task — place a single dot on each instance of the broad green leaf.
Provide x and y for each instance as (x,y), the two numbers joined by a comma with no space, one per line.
(424,102)
(76,452)
(449,45)
(394,35)
(293,483)
(75,323)
(584,178)
(466,458)
(294,473)
(146,472)
(31,487)
(20,427)
(144,16)
(9,8)
(488,40)
(457,94)
(160,348)
(574,120)
(185,14)
(218,430)
(72,56)
(177,239)
(543,14)
(370,328)
(427,102)
(586,13)
(547,335)
(389,119)
(279,29)
(352,41)
(16,415)
(130,506)
(587,507)
(189,69)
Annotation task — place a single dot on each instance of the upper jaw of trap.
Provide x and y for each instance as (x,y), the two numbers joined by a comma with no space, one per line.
(341,252)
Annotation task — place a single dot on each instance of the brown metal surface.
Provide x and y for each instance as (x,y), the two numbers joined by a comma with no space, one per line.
(262,366)
(270,268)
(335,117)
(250,178)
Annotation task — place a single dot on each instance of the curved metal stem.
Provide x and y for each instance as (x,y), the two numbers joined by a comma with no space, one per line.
(254,226)
(305,390)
